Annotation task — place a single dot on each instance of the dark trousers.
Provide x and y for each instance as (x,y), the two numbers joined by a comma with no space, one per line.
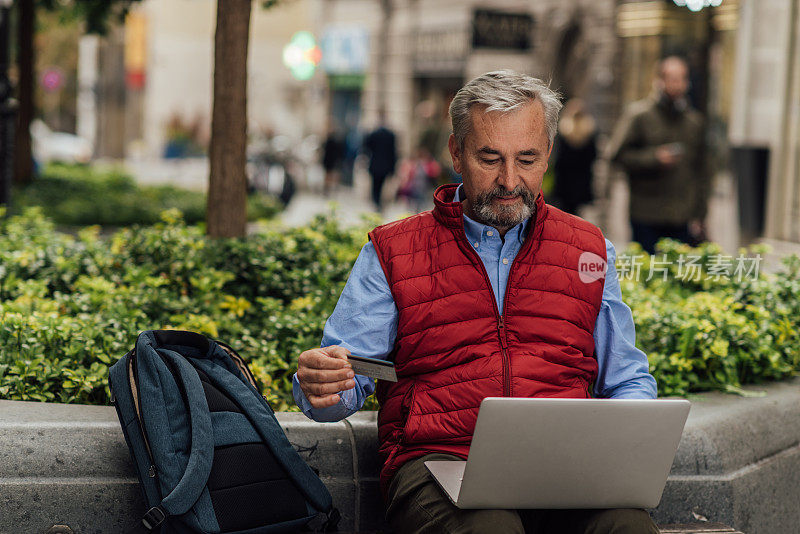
(417,505)
(377,188)
(647,234)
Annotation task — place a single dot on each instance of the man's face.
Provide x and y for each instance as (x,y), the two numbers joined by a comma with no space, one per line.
(503,162)
(674,78)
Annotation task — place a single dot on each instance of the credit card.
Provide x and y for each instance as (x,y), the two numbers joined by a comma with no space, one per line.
(373,368)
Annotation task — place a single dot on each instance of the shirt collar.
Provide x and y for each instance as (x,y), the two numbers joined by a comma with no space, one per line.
(476,231)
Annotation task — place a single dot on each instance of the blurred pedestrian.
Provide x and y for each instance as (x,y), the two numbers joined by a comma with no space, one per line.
(418,176)
(575,154)
(660,144)
(352,147)
(332,157)
(381,146)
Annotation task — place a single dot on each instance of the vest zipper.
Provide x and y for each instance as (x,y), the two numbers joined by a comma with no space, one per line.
(501,331)
(502,323)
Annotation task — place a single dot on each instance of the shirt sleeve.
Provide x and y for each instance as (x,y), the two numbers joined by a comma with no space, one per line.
(365,322)
(623,370)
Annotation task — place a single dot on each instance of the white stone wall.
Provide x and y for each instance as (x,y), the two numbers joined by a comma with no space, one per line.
(783,195)
(761,68)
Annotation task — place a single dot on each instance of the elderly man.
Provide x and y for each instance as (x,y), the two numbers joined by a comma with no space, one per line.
(481,296)
(660,144)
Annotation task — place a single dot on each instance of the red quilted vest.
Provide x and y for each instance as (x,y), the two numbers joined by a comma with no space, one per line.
(453,348)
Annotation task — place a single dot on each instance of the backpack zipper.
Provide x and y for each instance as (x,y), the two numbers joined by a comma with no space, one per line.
(239,361)
(151,471)
(242,365)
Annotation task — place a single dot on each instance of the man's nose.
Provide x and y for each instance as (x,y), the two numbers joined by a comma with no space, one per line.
(508,176)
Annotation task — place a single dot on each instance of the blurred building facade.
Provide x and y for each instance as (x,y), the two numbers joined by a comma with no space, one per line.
(417,53)
(766,123)
(151,80)
(744,57)
(420,52)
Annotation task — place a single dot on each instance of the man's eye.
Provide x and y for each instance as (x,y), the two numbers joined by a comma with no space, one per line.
(490,161)
(527,161)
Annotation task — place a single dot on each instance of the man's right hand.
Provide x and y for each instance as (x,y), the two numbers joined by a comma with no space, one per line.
(323,373)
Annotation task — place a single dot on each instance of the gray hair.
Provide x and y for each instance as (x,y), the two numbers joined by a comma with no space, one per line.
(504,91)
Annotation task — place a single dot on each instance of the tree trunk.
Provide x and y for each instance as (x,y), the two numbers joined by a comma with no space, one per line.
(227,184)
(383,54)
(23,155)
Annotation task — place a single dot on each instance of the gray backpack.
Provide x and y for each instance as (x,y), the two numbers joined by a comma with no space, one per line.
(210,455)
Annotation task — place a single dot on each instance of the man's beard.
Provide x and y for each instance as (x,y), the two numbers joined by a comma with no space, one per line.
(504,216)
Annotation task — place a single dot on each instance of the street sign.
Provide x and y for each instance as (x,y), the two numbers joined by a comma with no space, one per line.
(498,29)
(345,49)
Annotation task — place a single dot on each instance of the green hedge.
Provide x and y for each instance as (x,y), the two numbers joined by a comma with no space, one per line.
(79,195)
(70,306)
(719,330)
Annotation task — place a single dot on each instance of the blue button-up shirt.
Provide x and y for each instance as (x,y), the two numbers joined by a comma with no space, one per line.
(365,322)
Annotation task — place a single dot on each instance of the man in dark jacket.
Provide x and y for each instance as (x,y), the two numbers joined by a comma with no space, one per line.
(381,145)
(660,144)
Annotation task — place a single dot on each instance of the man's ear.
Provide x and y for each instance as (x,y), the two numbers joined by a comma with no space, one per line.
(455,153)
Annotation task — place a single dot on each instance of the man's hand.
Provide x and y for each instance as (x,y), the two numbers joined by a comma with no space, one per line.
(669,155)
(323,373)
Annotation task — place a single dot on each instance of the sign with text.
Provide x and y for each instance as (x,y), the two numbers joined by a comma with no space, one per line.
(498,29)
(345,50)
(441,51)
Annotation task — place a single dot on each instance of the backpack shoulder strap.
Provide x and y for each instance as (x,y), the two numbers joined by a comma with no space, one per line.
(201,454)
(194,478)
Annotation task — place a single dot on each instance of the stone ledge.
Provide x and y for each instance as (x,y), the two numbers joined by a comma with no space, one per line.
(738,463)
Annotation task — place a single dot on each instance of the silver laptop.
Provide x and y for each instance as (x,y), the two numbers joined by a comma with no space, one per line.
(566,453)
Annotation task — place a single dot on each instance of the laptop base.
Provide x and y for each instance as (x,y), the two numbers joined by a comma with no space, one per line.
(448,474)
